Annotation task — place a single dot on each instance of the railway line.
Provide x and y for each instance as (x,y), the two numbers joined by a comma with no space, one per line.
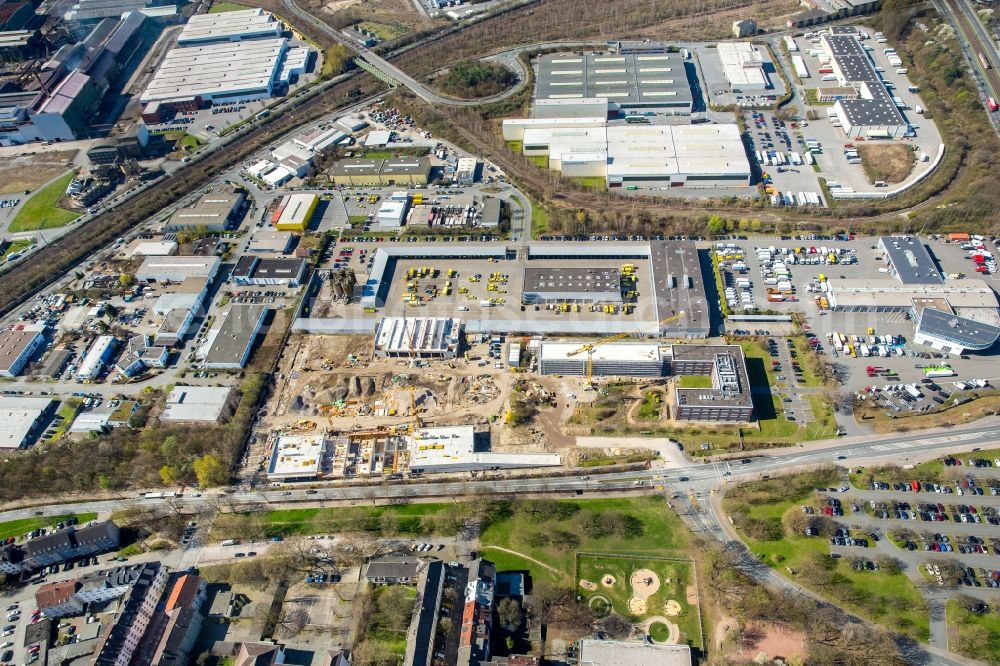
(983,55)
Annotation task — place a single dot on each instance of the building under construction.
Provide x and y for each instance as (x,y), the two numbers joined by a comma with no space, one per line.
(608,360)
(418,337)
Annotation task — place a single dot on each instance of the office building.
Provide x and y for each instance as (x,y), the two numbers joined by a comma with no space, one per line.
(271,242)
(141,355)
(608,360)
(729,399)
(393,171)
(418,337)
(97,357)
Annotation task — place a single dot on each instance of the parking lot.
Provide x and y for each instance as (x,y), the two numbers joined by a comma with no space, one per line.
(718,90)
(938,525)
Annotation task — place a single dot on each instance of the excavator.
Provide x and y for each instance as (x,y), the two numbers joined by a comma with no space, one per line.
(591,346)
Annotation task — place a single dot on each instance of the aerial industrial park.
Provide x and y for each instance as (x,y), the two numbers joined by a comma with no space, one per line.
(499,334)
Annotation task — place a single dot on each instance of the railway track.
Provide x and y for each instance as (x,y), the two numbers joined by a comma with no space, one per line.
(980,44)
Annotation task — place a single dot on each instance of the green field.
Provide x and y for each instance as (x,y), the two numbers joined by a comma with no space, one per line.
(539,220)
(553,531)
(406,520)
(378,154)
(759,511)
(220,7)
(42,211)
(594,182)
(674,578)
(17,528)
(649,410)
(694,381)
(974,635)
(67,410)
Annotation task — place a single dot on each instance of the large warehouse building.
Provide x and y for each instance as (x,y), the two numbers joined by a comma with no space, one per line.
(703,155)
(418,337)
(571,285)
(224,72)
(874,114)
(729,398)
(229,27)
(743,65)
(649,82)
(610,360)
(230,344)
(953,316)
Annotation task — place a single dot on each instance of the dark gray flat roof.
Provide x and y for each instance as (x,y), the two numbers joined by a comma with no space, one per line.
(969,333)
(910,260)
(641,79)
(856,66)
(678,285)
(572,280)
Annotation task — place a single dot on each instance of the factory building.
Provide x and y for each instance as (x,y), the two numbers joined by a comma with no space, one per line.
(297,457)
(319,139)
(199,404)
(96,358)
(19,44)
(191,77)
(952,316)
(453,449)
(260,272)
(230,344)
(873,114)
(728,400)
(743,65)
(582,107)
(572,285)
(294,212)
(393,171)
(229,27)
(418,337)
(215,212)
(609,360)
(17,348)
(702,155)
(177,269)
(23,419)
(630,82)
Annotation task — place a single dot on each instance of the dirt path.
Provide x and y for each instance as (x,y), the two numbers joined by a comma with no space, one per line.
(551,568)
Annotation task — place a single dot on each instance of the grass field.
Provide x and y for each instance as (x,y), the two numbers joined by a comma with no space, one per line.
(694,381)
(660,532)
(595,182)
(384,31)
(379,629)
(539,220)
(42,211)
(17,528)
(31,171)
(974,635)
(406,520)
(67,410)
(890,163)
(649,410)
(888,598)
(674,576)
(378,154)
(220,7)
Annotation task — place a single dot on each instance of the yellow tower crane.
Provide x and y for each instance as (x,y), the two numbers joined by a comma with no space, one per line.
(591,346)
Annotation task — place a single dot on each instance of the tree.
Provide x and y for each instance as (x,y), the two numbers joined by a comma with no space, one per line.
(169,474)
(395,607)
(210,471)
(510,613)
(372,653)
(292,622)
(716,225)
(126,280)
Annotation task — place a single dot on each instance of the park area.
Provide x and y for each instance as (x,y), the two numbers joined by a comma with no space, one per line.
(660,595)
(18,528)
(42,210)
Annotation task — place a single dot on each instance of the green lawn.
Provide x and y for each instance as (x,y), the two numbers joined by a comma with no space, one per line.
(808,361)
(539,220)
(660,531)
(220,7)
(379,630)
(17,528)
(383,31)
(378,154)
(694,381)
(41,211)
(759,507)
(16,246)
(190,143)
(595,182)
(67,410)
(510,562)
(674,576)
(541,161)
(974,635)
(406,520)
(649,410)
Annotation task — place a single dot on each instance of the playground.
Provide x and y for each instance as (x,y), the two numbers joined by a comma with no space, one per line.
(658,595)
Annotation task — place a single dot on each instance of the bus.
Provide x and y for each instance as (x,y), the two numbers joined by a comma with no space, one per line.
(635,118)
(986,63)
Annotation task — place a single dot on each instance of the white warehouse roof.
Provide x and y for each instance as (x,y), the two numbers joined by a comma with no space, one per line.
(611,352)
(229,26)
(218,70)
(297,456)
